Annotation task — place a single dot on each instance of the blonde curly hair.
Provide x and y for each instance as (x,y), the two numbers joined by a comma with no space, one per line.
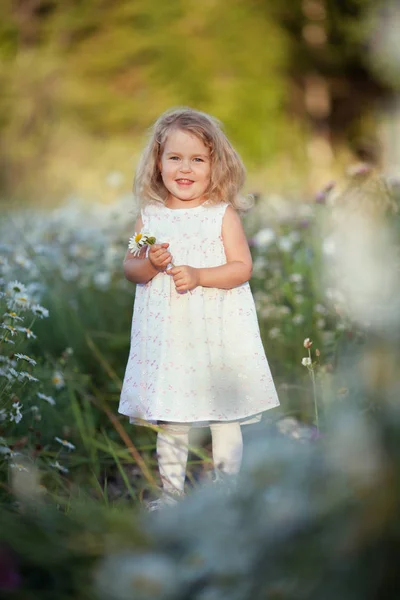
(227,170)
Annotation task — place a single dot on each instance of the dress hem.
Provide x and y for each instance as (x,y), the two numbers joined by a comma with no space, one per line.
(244,420)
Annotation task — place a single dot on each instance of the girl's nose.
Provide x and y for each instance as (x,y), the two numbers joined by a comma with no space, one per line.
(186,166)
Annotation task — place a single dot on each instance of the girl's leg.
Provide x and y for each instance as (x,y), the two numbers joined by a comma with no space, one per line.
(227,447)
(172,454)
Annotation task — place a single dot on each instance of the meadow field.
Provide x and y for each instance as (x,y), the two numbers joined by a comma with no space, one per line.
(320,474)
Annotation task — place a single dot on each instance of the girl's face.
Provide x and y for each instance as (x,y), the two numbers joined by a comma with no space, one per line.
(185,167)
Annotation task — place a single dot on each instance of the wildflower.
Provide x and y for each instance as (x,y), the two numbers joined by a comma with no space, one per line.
(13,316)
(28,332)
(9,328)
(285,244)
(56,465)
(320,308)
(274,333)
(16,415)
(13,372)
(28,359)
(22,261)
(39,311)
(8,341)
(48,399)
(65,443)
(139,240)
(307,343)
(102,279)
(22,300)
(298,319)
(15,287)
(323,194)
(28,376)
(58,380)
(19,467)
(306,361)
(264,238)
(295,277)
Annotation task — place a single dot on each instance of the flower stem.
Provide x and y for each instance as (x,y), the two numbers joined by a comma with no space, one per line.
(312,374)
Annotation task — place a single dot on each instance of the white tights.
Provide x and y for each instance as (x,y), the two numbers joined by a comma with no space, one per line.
(173,449)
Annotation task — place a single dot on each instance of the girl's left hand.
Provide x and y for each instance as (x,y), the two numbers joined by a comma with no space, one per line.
(185,278)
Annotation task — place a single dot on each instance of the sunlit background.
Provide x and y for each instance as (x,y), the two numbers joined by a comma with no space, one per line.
(309,93)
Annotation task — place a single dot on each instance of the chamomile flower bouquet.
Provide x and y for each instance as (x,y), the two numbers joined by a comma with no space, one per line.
(139,241)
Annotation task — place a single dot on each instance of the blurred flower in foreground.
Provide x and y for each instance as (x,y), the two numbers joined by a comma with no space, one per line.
(143,577)
(364,268)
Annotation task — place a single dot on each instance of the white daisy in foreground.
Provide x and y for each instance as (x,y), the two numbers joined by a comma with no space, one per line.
(48,399)
(58,380)
(40,311)
(15,287)
(56,465)
(22,300)
(19,467)
(306,361)
(13,316)
(28,359)
(9,328)
(28,332)
(16,414)
(139,240)
(65,443)
(28,376)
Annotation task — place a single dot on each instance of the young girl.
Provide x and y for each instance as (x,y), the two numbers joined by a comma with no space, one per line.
(196,356)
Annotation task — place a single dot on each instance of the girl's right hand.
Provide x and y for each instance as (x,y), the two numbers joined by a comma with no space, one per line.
(159,256)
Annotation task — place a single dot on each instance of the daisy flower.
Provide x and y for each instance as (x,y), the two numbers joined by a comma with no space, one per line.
(28,359)
(13,316)
(28,376)
(19,467)
(58,380)
(139,240)
(22,300)
(15,287)
(65,443)
(28,332)
(13,372)
(48,399)
(56,465)
(9,328)
(16,415)
(40,311)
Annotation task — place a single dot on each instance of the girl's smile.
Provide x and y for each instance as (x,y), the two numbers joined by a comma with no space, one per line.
(185,167)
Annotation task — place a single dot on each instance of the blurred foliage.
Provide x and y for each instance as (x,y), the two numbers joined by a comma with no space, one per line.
(105,70)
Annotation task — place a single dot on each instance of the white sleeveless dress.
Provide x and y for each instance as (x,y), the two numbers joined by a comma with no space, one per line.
(194,357)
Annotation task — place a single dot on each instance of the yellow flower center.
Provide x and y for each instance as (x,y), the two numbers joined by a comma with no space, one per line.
(138,237)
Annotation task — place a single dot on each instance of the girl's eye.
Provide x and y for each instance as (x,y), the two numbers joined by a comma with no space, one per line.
(173,158)
(199,159)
